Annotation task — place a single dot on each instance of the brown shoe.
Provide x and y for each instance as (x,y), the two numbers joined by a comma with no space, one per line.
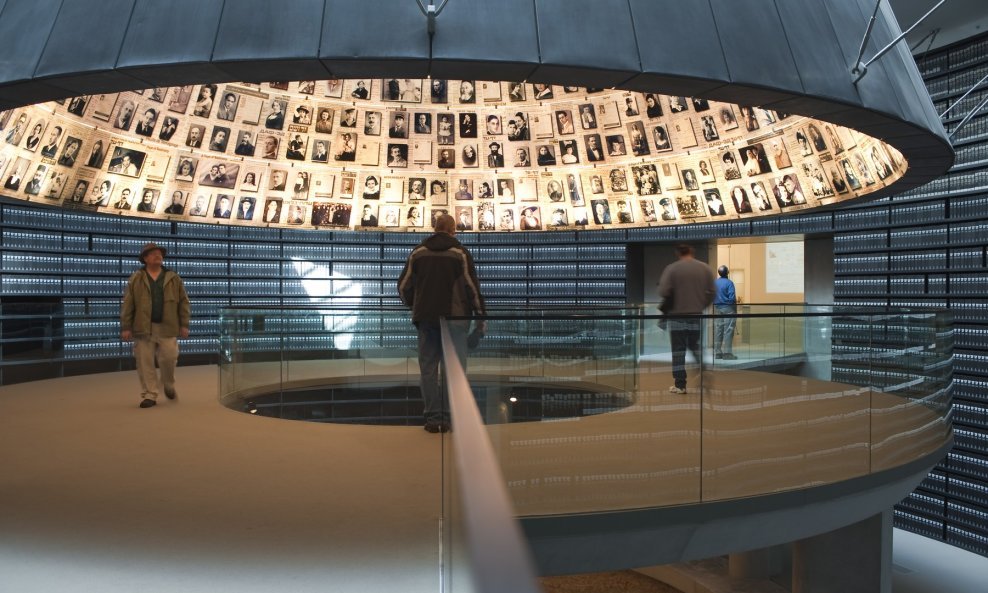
(147,403)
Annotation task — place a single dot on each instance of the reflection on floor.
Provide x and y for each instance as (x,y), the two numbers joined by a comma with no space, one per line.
(99,495)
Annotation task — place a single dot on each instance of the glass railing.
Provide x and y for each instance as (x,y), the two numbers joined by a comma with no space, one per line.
(578,405)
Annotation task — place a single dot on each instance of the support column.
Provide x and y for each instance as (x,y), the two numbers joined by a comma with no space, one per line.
(762,564)
(854,559)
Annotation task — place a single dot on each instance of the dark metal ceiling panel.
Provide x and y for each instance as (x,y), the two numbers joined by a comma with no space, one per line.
(756,50)
(678,38)
(86,37)
(813,41)
(499,37)
(376,32)
(180,32)
(24,29)
(260,39)
(586,38)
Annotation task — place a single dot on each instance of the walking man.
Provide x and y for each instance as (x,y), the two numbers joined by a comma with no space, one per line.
(726,307)
(439,280)
(155,312)
(689,283)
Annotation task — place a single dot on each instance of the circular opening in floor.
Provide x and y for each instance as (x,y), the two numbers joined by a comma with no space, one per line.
(399,402)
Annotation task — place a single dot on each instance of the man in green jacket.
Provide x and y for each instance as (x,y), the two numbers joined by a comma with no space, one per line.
(154,314)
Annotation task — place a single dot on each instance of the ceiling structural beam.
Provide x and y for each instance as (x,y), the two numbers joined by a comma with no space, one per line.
(860,69)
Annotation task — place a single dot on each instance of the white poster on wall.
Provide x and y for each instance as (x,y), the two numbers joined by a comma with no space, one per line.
(784,267)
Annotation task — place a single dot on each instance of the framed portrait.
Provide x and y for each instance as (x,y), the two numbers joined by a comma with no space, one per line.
(397,155)
(296,214)
(596,183)
(569,152)
(530,218)
(618,180)
(485,189)
(401,90)
(252,179)
(126,161)
(322,214)
(296,147)
(759,197)
(541,91)
(368,216)
(705,172)
(689,180)
(485,217)
(646,180)
(715,204)
(372,123)
(700,105)
(648,211)
(280,85)
(307,87)
(340,214)
(125,115)
(623,213)
(302,116)
(347,183)
(320,151)
(505,218)
(506,191)
(275,118)
(708,128)
(438,192)
(447,158)
(819,183)
(79,191)
(203,105)
(70,151)
(334,88)
(219,174)
(200,205)
(467,93)
(186,168)
(728,121)
(361,89)
(558,218)
(148,201)
(180,99)
(415,189)
(616,145)
(636,139)
(588,117)
(219,139)
(77,105)
(438,91)
(464,189)
(176,204)
(272,211)
(678,104)
(564,122)
(788,191)
(601,210)
(344,148)
(754,161)
(301,185)
(55,184)
(324,120)
(34,185)
(389,216)
(464,218)
(34,139)
(99,194)
(158,94)
(690,206)
(245,208)
(516,91)
(414,216)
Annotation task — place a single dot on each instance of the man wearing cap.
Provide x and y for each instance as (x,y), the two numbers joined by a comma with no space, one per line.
(155,312)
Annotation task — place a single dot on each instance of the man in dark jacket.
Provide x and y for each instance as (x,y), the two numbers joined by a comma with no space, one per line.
(439,280)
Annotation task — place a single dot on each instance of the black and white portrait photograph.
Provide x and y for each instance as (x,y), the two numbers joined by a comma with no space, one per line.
(195,136)
(361,90)
(422,123)
(252,180)
(677,104)
(302,115)
(690,206)
(588,117)
(348,118)
(530,219)
(689,180)
(125,115)
(653,107)
(227,111)
(618,180)
(345,147)
(541,91)
(447,158)
(403,90)
(709,128)
(97,153)
(77,105)
(616,145)
(715,204)
(204,100)
(180,99)
(569,153)
(275,118)
(646,179)
(320,151)
(397,155)
(398,126)
(637,140)
(467,92)
(754,161)
(176,204)
(70,152)
(126,161)
(438,90)
(728,121)
(295,147)
(334,88)
(648,211)
(269,146)
(168,127)
(200,206)
(468,125)
(272,211)
(219,174)
(623,212)
(601,211)
(146,120)
(223,207)
(37,181)
(662,141)
(464,218)
(700,105)
(564,122)
(705,172)
(516,91)
(219,139)
(324,120)
(244,145)
(545,155)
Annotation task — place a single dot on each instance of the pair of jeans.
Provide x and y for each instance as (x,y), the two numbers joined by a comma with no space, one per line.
(724,328)
(430,356)
(684,334)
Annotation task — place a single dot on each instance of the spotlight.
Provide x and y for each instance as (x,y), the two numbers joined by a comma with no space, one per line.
(250,408)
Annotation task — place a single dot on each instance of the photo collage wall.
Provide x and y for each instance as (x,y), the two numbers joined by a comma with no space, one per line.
(393,154)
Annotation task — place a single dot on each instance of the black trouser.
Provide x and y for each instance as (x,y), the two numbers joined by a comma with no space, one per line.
(684,334)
